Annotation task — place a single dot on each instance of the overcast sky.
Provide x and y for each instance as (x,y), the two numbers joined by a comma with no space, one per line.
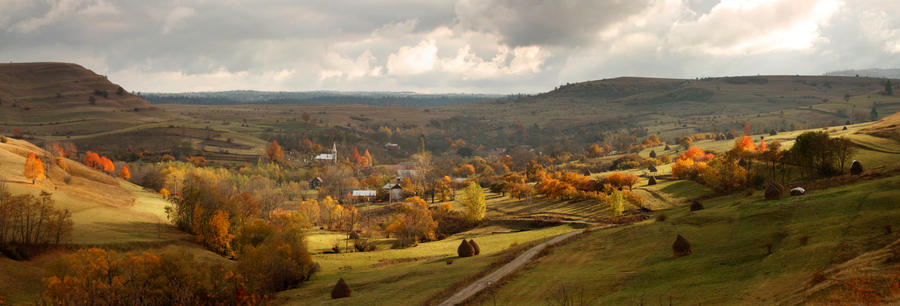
(478,46)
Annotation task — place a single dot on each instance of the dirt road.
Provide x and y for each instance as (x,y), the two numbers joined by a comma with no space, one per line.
(506,269)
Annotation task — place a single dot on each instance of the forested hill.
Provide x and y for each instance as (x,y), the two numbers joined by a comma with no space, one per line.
(316,97)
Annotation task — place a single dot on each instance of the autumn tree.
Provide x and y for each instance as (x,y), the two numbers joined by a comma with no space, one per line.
(125,173)
(616,203)
(594,150)
(465,170)
(34,168)
(92,160)
(473,199)
(747,130)
(412,222)
(274,152)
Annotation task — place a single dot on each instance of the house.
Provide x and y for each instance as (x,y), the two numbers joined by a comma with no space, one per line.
(402,174)
(391,146)
(361,193)
(395,191)
(315,183)
(328,156)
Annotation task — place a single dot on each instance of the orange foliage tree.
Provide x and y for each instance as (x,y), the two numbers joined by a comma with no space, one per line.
(92,159)
(274,152)
(125,173)
(34,168)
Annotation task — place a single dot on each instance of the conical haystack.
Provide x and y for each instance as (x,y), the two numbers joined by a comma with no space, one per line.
(774,191)
(465,249)
(696,205)
(681,247)
(856,168)
(475,247)
(341,290)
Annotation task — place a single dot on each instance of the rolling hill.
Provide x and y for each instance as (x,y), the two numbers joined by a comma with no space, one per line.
(57,100)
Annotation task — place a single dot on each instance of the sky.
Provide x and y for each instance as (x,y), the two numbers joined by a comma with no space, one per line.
(444,46)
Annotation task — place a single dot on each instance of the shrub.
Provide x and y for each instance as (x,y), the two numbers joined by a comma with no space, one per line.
(475,247)
(67,179)
(3,139)
(662,217)
(774,191)
(681,247)
(465,249)
(363,245)
(696,205)
(856,168)
(340,290)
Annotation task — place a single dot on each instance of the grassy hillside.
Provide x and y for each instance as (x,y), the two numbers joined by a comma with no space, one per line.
(746,250)
(106,211)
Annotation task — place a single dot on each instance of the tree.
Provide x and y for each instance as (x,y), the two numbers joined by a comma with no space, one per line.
(843,150)
(888,88)
(34,168)
(873,115)
(747,130)
(616,203)
(216,236)
(473,199)
(125,173)
(274,152)
(594,150)
(465,170)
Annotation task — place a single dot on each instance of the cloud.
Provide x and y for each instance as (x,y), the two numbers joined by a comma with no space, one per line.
(176,18)
(746,26)
(497,46)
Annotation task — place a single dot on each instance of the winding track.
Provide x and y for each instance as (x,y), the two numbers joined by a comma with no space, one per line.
(473,288)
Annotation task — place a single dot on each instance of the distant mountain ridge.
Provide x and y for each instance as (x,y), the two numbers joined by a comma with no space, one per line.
(316,97)
(873,73)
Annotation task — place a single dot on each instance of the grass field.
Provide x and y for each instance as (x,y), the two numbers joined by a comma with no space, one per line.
(409,276)
(731,262)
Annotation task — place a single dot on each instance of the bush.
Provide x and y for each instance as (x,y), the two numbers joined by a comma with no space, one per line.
(363,245)
(475,247)
(662,217)
(3,139)
(696,205)
(681,247)
(340,290)
(465,249)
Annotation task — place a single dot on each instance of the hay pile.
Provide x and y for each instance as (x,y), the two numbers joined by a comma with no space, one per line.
(465,249)
(774,191)
(341,290)
(475,247)
(696,205)
(681,247)
(856,168)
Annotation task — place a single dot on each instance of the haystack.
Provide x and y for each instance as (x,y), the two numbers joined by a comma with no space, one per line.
(652,154)
(475,247)
(796,191)
(696,205)
(652,168)
(652,181)
(465,249)
(681,247)
(341,290)
(856,168)
(774,191)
